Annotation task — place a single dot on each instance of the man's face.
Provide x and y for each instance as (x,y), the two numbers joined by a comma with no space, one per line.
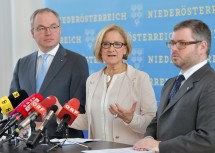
(46,31)
(191,54)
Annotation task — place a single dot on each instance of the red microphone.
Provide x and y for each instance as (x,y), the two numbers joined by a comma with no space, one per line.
(24,107)
(40,110)
(68,114)
(23,110)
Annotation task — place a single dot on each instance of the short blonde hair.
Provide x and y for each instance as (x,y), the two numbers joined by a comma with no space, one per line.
(100,36)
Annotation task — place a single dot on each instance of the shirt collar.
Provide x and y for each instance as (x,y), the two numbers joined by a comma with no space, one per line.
(193,69)
(51,52)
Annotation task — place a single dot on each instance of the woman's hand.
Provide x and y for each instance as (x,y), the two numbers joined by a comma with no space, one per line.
(125,114)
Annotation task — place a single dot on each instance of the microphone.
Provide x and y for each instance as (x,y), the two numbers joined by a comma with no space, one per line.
(40,110)
(26,103)
(52,110)
(68,114)
(4,120)
(7,104)
(37,135)
(23,110)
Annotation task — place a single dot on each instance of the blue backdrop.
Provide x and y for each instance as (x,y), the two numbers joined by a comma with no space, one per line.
(149,23)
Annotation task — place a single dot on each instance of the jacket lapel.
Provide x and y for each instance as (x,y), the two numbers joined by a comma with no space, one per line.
(131,76)
(92,85)
(32,72)
(188,85)
(57,63)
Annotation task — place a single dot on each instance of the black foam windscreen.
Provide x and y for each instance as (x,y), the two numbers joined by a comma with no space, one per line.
(17,97)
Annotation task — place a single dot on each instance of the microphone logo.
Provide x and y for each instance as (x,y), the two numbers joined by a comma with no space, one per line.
(3,101)
(71,110)
(15,94)
(40,109)
(5,105)
(27,105)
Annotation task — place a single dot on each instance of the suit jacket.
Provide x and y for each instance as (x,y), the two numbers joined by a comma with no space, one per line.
(136,87)
(65,79)
(187,123)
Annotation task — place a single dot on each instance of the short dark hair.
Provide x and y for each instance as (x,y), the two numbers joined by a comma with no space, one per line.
(200,30)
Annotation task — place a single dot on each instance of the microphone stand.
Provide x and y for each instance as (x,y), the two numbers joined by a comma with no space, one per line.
(38,137)
(11,135)
(61,143)
(33,126)
(46,139)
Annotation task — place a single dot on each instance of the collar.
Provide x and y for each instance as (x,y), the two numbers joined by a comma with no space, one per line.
(51,52)
(193,69)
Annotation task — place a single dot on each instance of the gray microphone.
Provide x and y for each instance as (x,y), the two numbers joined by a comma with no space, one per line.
(37,135)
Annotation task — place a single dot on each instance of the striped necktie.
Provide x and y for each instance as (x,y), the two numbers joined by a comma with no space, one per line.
(41,72)
(177,85)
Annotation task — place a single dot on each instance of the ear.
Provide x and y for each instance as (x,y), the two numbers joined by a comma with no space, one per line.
(60,30)
(32,32)
(124,53)
(204,47)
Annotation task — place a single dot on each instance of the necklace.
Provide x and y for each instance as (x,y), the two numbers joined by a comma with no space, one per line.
(108,81)
(108,78)
(110,74)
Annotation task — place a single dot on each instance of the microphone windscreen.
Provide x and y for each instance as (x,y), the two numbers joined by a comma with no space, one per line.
(53,108)
(42,107)
(70,108)
(7,104)
(24,107)
(48,102)
(74,103)
(17,97)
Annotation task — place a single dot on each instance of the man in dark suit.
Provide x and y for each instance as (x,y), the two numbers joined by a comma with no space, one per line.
(185,122)
(66,73)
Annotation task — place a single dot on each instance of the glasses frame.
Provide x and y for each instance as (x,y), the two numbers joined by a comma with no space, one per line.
(43,29)
(114,43)
(183,44)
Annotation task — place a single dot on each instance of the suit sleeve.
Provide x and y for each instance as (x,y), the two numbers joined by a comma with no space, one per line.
(78,86)
(152,127)
(15,80)
(81,122)
(148,105)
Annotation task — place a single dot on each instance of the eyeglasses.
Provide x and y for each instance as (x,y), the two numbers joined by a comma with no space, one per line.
(181,44)
(117,45)
(52,28)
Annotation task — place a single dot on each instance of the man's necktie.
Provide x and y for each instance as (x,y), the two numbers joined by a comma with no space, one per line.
(177,85)
(41,72)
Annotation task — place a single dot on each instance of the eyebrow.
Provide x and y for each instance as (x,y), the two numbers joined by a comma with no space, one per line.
(46,26)
(178,40)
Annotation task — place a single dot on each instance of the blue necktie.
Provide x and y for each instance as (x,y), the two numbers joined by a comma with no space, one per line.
(41,72)
(177,85)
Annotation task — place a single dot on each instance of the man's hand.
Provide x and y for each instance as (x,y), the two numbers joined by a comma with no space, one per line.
(148,143)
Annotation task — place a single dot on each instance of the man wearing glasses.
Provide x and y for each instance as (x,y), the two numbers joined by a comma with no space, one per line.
(52,70)
(185,120)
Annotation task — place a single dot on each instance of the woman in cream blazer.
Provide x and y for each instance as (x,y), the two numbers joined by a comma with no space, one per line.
(120,100)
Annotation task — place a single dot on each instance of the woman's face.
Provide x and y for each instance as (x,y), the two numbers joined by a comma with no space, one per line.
(114,54)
